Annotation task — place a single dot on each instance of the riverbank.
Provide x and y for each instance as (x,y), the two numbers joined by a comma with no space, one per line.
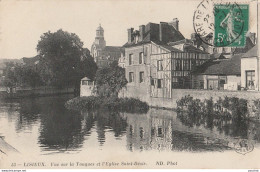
(34,92)
(176,94)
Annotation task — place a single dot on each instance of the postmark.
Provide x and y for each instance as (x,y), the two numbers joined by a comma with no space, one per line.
(244,146)
(221,24)
(203,22)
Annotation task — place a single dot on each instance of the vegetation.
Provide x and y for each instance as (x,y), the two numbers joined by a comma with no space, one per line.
(110,80)
(63,61)
(222,114)
(20,75)
(130,105)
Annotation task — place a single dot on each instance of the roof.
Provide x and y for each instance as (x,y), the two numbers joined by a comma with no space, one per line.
(85,78)
(100,27)
(113,48)
(217,56)
(249,44)
(183,41)
(170,48)
(230,66)
(251,53)
(192,49)
(152,33)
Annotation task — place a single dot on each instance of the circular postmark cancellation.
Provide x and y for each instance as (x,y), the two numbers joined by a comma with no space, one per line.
(244,146)
(203,22)
(221,24)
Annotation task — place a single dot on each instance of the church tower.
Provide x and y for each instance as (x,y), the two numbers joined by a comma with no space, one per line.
(99,44)
(100,40)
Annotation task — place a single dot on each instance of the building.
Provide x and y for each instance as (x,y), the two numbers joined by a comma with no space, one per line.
(153,66)
(218,74)
(250,70)
(86,87)
(104,55)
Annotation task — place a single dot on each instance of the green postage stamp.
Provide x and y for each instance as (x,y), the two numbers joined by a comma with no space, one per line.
(231,24)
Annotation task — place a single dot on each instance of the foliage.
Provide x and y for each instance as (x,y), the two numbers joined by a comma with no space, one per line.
(21,75)
(63,61)
(110,80)
(114,104)
(193,111)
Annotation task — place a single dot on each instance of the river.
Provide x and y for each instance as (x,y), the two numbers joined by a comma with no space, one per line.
(43,126)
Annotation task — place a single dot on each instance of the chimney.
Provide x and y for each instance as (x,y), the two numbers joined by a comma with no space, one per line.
(141,32)
(130,35)
(162,27)
(175,23)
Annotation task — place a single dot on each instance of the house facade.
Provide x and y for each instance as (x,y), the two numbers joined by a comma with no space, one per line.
(153,67)
(250,70)
(218,74)
(104,55)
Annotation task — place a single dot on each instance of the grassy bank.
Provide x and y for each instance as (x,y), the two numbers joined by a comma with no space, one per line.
(130,105)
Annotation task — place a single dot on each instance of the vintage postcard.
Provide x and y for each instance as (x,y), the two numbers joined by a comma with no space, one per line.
(121,84)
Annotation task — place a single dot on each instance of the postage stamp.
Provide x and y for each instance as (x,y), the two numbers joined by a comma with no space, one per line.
(231,24)
(221,24)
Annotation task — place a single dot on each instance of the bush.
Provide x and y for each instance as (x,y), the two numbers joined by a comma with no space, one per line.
(111,103)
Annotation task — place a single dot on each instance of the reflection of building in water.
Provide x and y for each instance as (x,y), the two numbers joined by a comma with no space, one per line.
(161,133)
(145,132)
(138,132)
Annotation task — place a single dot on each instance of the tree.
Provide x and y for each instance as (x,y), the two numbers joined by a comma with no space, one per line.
(63,61)
(110,80)
(21,75)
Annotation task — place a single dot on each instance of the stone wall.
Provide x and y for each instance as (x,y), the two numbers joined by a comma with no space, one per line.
(144,95)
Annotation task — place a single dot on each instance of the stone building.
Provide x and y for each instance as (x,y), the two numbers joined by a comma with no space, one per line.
(218,74)
(102,54)
(153,66)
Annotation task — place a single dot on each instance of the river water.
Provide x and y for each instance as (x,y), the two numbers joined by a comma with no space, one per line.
(44,126)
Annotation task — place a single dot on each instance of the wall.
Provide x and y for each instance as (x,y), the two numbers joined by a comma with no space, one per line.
(179,93)
(136,68)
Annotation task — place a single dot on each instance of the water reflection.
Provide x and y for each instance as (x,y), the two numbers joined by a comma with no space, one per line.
(58,129)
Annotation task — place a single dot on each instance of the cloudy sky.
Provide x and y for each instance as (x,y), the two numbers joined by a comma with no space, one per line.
(22,22)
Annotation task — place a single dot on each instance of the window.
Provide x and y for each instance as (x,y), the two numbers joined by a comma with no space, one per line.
(131,59)
(141,58)
(84,82)
(160,132)
(250,80)
(186,64)
(160,65)
(141,76)
(152,82)
(131,76)
(178,65)
(141,132)
(159,83)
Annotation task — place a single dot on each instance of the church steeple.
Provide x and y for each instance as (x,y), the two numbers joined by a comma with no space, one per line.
(100,31)
(100,40)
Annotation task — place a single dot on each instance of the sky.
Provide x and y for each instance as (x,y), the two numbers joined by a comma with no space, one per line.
(22,22)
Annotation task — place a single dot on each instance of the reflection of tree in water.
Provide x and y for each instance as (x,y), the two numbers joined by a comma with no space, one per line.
(60,129)
(228,117)
(109,120)
(28,113)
